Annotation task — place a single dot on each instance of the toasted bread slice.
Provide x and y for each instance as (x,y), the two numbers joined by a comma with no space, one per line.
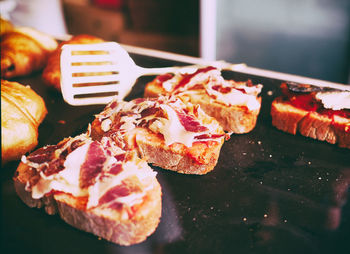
(164,131)
(235,105)
(292,115)
(94,186)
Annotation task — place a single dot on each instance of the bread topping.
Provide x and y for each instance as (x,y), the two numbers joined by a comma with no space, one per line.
(227,92)
(170,117)
(325,101)
(334,100)
(95,181)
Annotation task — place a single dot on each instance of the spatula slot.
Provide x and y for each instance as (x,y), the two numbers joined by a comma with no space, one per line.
(89,74)
(95,84)
(96,95)
(89,52)
(91,63)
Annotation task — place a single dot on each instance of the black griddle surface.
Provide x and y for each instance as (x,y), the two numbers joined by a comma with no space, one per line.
(271,192)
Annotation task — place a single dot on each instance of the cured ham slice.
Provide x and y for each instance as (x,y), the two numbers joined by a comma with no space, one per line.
(93,164)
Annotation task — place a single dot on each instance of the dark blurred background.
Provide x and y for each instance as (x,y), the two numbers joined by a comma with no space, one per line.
(303,37)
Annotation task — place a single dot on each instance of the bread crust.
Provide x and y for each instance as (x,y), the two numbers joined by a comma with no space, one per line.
(5,26)
(178,157)
(294,120)
(24,174)
(236,119)
(123,232)
(105,223)
(199,159)
(22,111)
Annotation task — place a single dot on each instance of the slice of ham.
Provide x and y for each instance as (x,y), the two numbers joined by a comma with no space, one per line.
(126,188)
(93,165)
(44,154)
(189,122)
(116,169)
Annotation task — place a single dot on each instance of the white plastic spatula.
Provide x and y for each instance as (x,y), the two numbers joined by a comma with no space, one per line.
(97,73)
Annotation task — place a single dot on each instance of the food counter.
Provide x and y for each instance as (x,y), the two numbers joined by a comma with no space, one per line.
(271,192)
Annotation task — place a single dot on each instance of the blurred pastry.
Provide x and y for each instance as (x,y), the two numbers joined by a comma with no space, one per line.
(22,111)
(5,26)
(23,51)
(52,73)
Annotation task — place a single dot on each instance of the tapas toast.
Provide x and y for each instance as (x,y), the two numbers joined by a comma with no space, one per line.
(164,131)
(94,186)
(321,113)
(235,105)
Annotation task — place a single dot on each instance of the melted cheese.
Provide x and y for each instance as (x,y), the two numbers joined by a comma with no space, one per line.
(106,124)
(173,131)
(334,100)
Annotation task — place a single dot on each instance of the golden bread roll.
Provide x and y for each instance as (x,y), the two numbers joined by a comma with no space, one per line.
(22,110)
(23,51)
(52,71)
(5,26)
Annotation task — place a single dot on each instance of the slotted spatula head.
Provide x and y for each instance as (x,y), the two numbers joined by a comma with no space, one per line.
(96,73)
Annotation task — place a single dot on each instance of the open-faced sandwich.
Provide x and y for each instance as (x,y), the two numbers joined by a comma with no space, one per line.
(24,50)
(94,186)
(235,105)
(322,113)
(164,131)
(22,111)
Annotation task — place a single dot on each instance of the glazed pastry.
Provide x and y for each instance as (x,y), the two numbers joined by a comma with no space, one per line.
(5,26)
(22,110)
(23,51)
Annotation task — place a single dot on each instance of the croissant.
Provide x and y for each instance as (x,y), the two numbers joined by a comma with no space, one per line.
(52,72)
(5,26)
(23,51)
(22,111)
